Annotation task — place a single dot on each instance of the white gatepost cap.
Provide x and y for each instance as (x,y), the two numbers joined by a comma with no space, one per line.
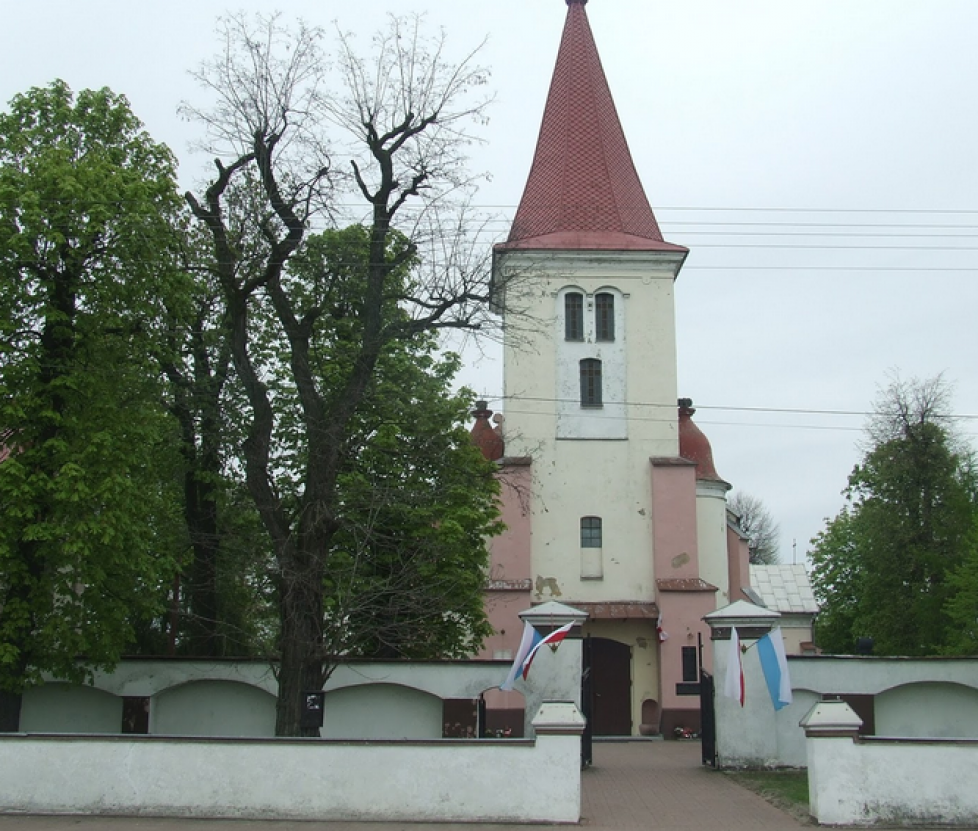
(556,718)
(830,719)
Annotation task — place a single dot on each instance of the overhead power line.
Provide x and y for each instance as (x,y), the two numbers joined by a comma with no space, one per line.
(807,411)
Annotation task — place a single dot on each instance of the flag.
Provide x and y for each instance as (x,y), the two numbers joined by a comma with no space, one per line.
(774,665)
(733,683)
(661,633)
(552,640)
(529,640)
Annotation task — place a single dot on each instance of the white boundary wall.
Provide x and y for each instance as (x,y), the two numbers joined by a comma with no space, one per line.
(439,781)
(364,699)
(892,781)
(915,698)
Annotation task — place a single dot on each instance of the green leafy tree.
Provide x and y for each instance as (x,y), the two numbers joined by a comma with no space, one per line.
(882,568)
(408,561)
(86,203)
(962,608)
(218,600)
(836,578)
(401,121)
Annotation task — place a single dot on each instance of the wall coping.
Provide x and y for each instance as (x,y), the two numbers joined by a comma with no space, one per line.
(915,740)
(270,740)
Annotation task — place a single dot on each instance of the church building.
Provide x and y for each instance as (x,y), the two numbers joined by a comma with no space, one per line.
(610,495)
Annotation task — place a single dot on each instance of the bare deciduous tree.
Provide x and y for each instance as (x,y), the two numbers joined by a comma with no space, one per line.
(759,527)
(905,405)
(401,120)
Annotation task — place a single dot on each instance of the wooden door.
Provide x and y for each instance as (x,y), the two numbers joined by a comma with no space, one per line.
(611,678)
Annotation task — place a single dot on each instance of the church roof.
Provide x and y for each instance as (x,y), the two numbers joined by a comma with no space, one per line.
(583,191)
(784,587)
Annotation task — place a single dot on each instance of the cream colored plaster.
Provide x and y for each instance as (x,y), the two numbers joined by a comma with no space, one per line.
(603,479)
(711,538)
(583,464)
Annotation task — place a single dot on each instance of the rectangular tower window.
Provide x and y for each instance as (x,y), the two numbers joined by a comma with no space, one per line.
(690,668)
(591,532)
(574,316)
(590,382)
(604,316)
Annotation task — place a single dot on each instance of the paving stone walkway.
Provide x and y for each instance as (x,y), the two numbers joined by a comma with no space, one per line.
(649,785)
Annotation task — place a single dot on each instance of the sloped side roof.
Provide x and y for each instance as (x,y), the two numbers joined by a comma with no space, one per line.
(784,588)
(583,191)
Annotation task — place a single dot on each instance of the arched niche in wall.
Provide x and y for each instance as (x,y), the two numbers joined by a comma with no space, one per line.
(927,709)
(70,708)
(213,708)
(381,711)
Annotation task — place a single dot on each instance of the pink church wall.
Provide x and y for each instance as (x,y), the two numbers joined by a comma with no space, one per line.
(508,591)
(511,549)
(682,597)
(674,518)
(738,563)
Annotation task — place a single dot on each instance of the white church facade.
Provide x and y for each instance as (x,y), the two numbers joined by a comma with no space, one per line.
(611,498)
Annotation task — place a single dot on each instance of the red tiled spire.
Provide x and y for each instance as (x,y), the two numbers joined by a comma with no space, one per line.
(583,191)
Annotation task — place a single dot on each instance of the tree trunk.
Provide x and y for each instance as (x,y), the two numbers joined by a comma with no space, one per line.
(301,670)
(201,517)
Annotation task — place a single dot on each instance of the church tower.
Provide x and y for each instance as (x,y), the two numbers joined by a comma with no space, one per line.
(585,283)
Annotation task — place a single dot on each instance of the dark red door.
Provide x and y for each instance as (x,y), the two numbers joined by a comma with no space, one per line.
(611,676)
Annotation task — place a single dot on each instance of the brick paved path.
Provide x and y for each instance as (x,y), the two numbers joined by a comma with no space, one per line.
(652,786)
(661,786)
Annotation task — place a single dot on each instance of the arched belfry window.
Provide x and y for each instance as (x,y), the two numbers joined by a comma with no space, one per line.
(591,383)
(604,316)
(574,316)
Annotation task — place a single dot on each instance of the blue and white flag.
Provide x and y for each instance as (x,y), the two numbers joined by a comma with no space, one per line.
(774,664)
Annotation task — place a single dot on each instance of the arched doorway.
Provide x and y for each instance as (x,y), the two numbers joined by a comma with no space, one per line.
(611,685)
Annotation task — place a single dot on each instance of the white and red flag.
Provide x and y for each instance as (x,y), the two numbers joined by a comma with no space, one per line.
(733,682)
(552,640)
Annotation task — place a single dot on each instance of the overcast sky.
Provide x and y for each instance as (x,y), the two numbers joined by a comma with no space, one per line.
(817,157)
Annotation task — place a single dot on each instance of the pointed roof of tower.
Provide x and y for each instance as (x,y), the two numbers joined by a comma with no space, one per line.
(583,191)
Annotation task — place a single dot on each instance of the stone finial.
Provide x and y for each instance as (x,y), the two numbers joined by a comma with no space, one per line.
(693,443)
(488,440)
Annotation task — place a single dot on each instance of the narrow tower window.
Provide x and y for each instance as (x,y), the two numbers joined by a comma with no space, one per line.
(591,532)
(574,316)
(604,316)
(590,382)
(690,670)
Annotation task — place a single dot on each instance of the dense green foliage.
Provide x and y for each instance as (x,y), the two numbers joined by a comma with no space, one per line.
(897,564)
(86,201)
(407,563)
(221,432)
(321,344)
